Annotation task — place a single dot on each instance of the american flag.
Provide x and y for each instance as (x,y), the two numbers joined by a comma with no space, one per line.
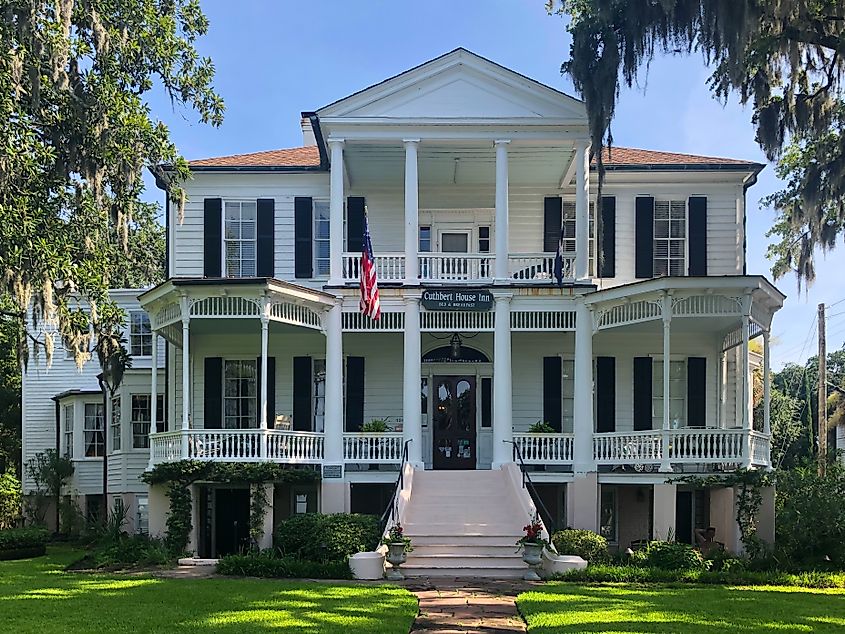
(370,305)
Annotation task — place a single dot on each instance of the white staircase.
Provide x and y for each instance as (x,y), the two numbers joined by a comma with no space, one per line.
(464,524)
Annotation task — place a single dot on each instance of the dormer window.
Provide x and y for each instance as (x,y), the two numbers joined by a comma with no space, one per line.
(239,238)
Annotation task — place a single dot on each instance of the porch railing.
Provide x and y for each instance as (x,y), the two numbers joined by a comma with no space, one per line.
(456,266)
(237,445)
(760,449)
(544,448)
(539,267)
(390,267)
(637,447)
(706,445)
(384,448)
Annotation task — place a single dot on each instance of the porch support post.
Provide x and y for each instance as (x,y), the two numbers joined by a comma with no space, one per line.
(665,463)
(582,211)
(502,385)
(723,389)
(746,419)
(583,403)
(153,393)
(265,335)
(767,388)
(336,213)
(186,372)
(502,212)
(412,417)
(412,222)
(333,425)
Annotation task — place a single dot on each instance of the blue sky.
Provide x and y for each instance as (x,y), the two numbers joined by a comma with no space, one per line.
(276,59)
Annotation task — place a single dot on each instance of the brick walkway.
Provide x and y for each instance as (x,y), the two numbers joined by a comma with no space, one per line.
(471,605)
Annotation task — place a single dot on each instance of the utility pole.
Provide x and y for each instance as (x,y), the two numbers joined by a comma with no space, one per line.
(822,392)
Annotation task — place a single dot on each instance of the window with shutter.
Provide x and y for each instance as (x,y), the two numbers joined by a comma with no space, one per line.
(670,237)
(569,232)
(677,394)
(240,238)
(322,249)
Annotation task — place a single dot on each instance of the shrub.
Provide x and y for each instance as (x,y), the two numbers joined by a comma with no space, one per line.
(264,564)
(377,425)
(669,556)
(588,545)
(130,551)
(541,427)
(10,500)
(318,537)
(18,543)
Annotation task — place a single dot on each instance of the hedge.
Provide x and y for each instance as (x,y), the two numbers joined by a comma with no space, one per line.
(588,545)
(266,565)
(20,543)
(327,538)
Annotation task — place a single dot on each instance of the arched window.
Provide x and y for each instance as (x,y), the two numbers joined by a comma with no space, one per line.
(443,354)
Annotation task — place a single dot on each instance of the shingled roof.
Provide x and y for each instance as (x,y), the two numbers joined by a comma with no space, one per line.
(308,157)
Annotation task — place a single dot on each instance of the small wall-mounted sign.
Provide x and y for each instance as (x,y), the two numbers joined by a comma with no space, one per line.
(476,299)
(332,472)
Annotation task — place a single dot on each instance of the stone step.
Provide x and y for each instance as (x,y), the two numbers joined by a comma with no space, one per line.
(452,540)
(463,560)
(466,549)
(466,528)
(459,572)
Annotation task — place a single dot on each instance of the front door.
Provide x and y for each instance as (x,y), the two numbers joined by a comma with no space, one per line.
(454,422)
(231,510)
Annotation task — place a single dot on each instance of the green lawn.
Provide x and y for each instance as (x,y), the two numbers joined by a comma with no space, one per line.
(36,595)
(565,607)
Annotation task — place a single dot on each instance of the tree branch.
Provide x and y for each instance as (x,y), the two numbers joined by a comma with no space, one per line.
(814,37)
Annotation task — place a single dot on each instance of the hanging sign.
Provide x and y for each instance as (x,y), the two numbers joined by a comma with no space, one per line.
(477,299)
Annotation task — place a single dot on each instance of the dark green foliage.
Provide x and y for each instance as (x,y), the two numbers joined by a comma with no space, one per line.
(178,525)
(811,516)
(669,556)
(49,472)
(266,565)
(10,499)
(190,471)
(128,551)
(588,545)
(318,537)
(20,538)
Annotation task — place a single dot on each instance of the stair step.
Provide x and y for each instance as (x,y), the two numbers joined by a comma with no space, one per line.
(465,561)
(452,540)
(499,572)
(467,549)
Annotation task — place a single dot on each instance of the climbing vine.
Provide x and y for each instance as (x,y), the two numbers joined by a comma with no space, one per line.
(748,484)
(180,475)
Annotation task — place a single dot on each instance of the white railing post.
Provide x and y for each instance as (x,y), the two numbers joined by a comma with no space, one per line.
(336,212)
(412,228)
(582,211)
(501,274)
(583,401)
(665,462)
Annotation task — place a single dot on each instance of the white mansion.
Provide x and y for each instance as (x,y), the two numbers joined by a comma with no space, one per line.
(471,177)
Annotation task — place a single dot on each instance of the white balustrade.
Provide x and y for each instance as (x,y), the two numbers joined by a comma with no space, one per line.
(238,445)
(373,447)
(456,266)
(705,445)
(545,448)
(166,447)
(294,446)
(539,267)
(629,448)
(760,449)
(390,267)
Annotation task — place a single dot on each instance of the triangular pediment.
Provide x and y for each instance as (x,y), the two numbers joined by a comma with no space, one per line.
(458,86)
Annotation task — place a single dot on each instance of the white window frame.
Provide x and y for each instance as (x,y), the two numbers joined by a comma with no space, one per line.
(238,420)
(115,423)
(611,536)
(316,220)
(141,427)
(67,430)
(239,240)
(86,430)
(469,233)
(142,515)
(139,338)
(570,232)
(674,396)
(671,202)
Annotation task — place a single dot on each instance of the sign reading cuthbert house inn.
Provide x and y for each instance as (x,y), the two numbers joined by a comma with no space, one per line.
(457,299)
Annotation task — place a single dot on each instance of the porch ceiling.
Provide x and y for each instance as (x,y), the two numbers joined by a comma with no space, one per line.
(383,164)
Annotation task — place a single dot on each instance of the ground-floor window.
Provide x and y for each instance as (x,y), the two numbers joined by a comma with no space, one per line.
(240,408)
(142,515)
(95,442)
(608,515)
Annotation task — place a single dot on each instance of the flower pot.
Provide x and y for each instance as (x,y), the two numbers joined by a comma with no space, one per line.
(532,554)
(396,556)
(367,565)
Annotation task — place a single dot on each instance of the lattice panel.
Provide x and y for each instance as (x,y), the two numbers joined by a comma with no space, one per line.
(226,306)
(446,321)
(289,313)
(632,313)
(166,315)
(706,306)
(359,322)
(542,320)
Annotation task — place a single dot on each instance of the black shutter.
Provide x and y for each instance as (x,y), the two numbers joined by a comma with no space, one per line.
(354,393)
(486,402)
(354,223)
(605,394)
(552,373)
(698,235)
(212,243)
(271,391)
(642,393)
(303,228)
(608,237)
(213,393)
(302,394)
(696,392)
(552,219)
(644,238)
(265,265)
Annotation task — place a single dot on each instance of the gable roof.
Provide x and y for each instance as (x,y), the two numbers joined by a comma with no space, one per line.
(305,158)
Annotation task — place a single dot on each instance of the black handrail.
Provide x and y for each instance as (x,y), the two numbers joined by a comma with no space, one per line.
(392,509)
(532,490)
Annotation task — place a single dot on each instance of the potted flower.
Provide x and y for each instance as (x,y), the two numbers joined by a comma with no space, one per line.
(397,547)
(532,544)
(541,427)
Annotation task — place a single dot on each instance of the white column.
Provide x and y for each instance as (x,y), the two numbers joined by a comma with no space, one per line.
(333,424)
(582,211)
(583,401)
(412,417)
(153,392)
(186,373)
(767,387)
(412,223)
(502,384)
(723,388)
(265,335)
(502,211)
(746,392)
(336,212)
(665,464)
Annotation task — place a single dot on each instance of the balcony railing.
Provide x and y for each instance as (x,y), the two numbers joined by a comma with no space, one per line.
(545,448)
(383,448)
(461,267)
(237,445)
